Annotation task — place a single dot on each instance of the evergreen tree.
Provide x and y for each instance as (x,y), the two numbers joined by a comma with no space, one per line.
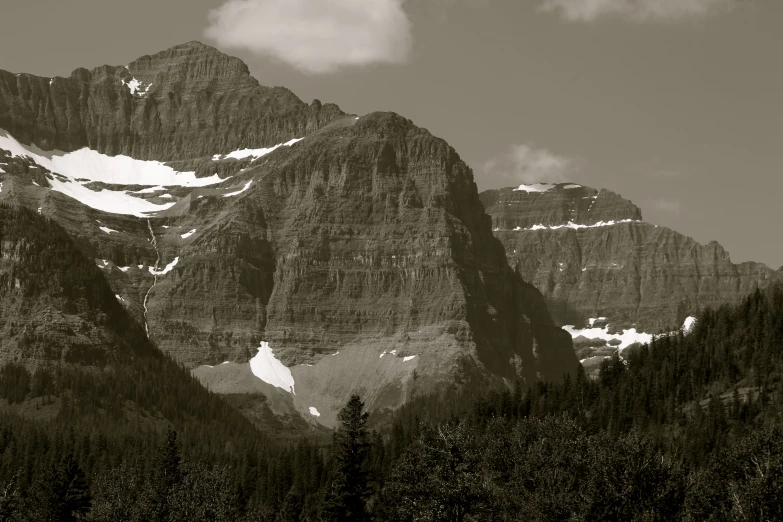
(166,475)
(8,500)
(63,494)
(347,500)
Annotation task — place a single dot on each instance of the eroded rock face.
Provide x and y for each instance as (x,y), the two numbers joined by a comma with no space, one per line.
(609,263)
(367,231)
(182,104)
(366,237)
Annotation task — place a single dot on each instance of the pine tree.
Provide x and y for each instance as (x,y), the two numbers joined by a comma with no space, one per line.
(8,500)
(167,474)
(347,500)
(63,494)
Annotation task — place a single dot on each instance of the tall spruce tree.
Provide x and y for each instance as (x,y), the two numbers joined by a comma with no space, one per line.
(62,495)
(166,475)
(347,500)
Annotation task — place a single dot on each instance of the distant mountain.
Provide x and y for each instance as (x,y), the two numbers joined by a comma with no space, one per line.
(606,274)
(315,253)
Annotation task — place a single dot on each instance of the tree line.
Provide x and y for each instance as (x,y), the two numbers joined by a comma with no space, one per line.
(685,428)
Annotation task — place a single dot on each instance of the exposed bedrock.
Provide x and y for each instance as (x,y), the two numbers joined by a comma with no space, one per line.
(591,256)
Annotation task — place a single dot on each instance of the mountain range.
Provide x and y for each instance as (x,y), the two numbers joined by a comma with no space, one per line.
(275,248)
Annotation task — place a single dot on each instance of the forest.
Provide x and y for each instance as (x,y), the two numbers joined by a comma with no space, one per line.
(685,428)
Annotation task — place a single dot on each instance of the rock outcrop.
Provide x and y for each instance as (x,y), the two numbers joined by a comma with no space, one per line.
(592,256)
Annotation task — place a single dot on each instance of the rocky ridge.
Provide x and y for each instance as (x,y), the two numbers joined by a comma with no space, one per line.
(592,257)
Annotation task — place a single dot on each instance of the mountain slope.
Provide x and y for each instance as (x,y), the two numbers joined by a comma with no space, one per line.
(55,304)
(276,222)
(67,338)
(599,265)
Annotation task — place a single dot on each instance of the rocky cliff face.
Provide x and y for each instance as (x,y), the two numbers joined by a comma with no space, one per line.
(54,303)
(182,104)
(592,256)
(361,253)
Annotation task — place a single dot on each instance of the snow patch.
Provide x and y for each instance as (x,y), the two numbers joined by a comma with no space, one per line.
(132,85)
(572,186)
(148,190)
(314,412)
(91,165)
(253,153)
(188,234)
(573,225)
(86,165)
(269,369)
(626,338)
(408,358)
(123,268)
(119,298)
(166,270)
(108,230)
(689,323)
(536,187)
(109,201)
(247,186)
(167,196)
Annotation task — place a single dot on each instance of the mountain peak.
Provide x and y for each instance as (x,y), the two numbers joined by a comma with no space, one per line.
(193,63)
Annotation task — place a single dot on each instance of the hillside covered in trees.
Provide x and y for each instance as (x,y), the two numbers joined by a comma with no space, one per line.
(682,429)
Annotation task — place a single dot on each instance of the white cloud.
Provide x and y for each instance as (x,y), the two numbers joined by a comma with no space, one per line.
(527,164)
(315,36)
(636,10)
(667,205)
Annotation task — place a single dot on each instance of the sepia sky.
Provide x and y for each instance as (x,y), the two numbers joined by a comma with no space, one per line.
(675,104)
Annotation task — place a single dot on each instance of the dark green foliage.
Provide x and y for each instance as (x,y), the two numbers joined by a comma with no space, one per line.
(442,477)
(62,494)
(14,383)
(166,475)
(684,428)
(9,500)
(347,499)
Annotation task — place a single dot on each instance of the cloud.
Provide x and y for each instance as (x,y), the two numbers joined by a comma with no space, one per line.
(527,164)
(667,205)
(636,10)
(315,36)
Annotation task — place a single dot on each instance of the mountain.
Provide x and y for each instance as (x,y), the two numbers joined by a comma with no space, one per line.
(610,277)
(275,247)
(70,350)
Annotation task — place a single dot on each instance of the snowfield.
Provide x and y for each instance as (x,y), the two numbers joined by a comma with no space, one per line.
(536,187)
(626,337)
(253,153)
(166,270)
(85,165)
(266,367)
